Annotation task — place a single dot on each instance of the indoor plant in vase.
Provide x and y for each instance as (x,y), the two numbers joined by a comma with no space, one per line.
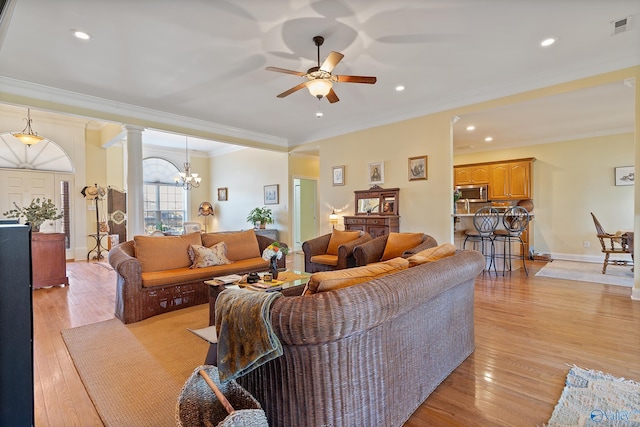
(259,217)
(273,253)
(36,213)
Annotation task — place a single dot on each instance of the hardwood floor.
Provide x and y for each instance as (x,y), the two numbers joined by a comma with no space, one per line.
(528,331)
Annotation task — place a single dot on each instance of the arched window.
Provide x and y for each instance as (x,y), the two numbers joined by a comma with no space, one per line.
(164,202)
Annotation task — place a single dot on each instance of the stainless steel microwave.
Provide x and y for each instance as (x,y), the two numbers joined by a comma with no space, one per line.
(474,193)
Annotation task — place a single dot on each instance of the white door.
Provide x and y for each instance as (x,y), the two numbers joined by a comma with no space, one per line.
(21,187)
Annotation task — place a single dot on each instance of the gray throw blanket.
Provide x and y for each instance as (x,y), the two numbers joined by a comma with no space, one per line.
(245,336)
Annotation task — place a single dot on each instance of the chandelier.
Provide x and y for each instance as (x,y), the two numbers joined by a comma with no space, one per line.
(28,136)
(187,179)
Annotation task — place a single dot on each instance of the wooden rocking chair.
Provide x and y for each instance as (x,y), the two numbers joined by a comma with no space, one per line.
(613,244)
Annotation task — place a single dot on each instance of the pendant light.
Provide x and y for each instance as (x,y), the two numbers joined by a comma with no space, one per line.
(28,136)
(187,179)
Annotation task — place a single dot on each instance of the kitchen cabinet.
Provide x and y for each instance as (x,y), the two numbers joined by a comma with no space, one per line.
(510,180)
(465,175)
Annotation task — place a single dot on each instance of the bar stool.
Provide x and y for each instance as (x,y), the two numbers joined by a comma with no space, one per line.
(515,221)
(485,221)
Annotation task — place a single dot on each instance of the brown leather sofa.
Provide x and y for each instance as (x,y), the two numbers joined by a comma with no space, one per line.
(319,256)
(373,250)
(162,281)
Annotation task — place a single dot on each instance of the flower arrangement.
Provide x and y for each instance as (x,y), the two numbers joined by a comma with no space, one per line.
(274,249)
(36,213)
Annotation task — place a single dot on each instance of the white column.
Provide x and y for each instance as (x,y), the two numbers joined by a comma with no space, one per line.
(135,196)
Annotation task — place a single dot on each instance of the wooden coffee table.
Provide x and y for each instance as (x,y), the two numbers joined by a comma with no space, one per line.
(290,288)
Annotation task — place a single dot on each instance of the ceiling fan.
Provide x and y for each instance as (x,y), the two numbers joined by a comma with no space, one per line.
(319,79)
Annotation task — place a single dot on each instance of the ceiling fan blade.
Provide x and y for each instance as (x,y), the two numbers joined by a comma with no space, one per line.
(356,79)
(293,89)
(332,60)
(284,70)
(332,97)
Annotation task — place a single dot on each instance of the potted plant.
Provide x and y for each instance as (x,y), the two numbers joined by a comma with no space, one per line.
(36,213)
(260,217)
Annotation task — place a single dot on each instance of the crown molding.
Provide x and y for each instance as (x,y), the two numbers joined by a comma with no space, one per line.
(113,111)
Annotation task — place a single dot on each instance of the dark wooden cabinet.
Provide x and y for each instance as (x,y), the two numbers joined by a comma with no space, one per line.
(376,225)
(49,259)
(16,333)
(377,211)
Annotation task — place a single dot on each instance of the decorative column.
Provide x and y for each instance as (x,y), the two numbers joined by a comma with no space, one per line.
(135,195)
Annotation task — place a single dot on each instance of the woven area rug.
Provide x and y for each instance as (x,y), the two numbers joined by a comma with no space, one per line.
(619,275)
(134,373)
(592,398)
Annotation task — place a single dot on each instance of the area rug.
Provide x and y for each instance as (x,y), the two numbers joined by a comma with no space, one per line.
(619,275)
(592,398)
(134,373)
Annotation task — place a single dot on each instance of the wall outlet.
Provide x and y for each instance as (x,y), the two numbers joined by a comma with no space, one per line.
(586,244)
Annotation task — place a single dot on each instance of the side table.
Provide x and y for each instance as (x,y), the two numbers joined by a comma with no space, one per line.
(49,263)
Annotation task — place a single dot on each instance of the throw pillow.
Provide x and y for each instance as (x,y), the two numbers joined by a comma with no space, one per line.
(240,244)
(332,280)
(201,256)
(397,243)
(432,254)
(165,252)
(339,237)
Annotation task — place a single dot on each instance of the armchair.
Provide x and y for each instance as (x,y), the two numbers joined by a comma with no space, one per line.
(616,244)
(404,244)
(323,254)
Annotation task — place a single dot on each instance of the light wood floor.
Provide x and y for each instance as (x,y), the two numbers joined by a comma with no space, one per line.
(528,330)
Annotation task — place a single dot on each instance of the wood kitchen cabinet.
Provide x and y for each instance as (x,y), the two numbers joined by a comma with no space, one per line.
(510,180)
(49,262)
(466,175)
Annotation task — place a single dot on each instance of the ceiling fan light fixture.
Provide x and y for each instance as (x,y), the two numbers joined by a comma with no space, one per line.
(28,136)
(319,87)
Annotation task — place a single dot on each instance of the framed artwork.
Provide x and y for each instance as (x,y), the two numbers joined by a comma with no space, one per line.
(338,175)
(625,175)
(222,194)
(376,173)
(417,168)
(271,194)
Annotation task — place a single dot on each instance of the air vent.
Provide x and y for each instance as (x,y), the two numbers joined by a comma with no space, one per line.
(620,26)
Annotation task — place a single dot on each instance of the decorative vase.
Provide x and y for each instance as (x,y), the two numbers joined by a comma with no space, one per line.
(273,267)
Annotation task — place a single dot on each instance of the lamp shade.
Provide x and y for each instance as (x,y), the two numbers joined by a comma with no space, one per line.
(319,87)
(205,209)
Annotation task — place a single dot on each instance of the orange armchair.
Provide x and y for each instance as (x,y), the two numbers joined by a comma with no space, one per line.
(333,251)
(392,245)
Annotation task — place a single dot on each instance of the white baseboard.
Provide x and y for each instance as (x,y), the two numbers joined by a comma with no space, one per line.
(582,258)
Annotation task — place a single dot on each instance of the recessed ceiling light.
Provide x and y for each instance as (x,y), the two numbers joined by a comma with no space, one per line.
(488,139)
(399,88)
(470,127)
(319,114)
(82,35)
(547,42)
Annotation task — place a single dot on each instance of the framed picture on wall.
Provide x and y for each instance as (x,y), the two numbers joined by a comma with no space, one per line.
(338,175)
(222,194)
(376,173)
(271,194)
(625,175)
(417,168)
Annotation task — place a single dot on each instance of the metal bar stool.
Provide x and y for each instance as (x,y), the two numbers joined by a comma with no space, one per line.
(485,221)
(515,221)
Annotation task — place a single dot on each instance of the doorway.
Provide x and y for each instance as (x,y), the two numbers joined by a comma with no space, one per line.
(305,217)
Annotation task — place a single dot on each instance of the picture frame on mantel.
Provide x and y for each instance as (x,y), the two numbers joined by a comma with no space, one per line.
(271,194)
(417,168)
(376,173)
(625,175)
(338,175)
(222,194)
